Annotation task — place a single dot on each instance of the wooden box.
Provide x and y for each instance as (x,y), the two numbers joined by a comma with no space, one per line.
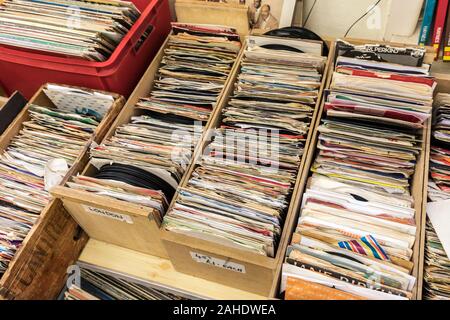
(38,269)
(231,266)
(119,222)
(419,179)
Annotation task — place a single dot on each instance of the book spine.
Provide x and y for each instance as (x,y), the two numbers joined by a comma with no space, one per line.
(428,14)
(441,13)
(446,49)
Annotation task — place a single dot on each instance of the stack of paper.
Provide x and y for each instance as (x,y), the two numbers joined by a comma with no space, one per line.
(196,65)
(157,143)
(239,194)
(437,262)
(437,249)
(37,159)
(72,99)
(85,29)
(99,286)
(439,183)
(441,121)
(357,230)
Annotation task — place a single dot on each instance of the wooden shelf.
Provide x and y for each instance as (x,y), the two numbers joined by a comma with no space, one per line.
(155,272)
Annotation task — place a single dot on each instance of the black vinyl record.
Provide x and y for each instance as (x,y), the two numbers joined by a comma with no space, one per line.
(298,33)
(136,177)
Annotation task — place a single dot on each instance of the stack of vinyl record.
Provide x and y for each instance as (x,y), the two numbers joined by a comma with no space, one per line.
(100,286)
(89,30)
(437,267)
(52,139)
(356,231)
(239,194)
(193,72)
(145,159)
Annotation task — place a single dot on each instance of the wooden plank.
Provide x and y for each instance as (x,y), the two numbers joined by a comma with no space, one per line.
(157,272)
(419,193)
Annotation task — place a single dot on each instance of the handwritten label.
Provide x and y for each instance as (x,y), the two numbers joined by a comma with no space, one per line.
(109,214)
(216,262)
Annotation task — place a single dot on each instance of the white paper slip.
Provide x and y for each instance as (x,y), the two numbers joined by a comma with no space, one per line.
(439,214)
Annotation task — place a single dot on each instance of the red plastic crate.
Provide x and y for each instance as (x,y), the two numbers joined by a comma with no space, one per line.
(27,70)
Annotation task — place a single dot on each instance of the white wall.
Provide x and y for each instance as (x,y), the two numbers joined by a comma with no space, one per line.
(334,17)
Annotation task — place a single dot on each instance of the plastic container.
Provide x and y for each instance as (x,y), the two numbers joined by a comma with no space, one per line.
(27,70)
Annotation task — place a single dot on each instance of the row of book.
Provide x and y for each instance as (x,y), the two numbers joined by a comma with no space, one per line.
(435,28)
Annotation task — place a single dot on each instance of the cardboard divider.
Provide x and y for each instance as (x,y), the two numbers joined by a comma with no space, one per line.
(233,266)
(55,241)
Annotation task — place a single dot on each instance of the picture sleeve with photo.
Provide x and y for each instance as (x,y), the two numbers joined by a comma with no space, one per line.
(264,15)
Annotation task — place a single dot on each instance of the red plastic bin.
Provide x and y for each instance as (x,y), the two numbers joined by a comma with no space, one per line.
(27,70)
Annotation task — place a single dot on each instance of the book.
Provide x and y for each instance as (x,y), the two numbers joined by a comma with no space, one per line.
(439,24)
(428,14)
(446,46)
